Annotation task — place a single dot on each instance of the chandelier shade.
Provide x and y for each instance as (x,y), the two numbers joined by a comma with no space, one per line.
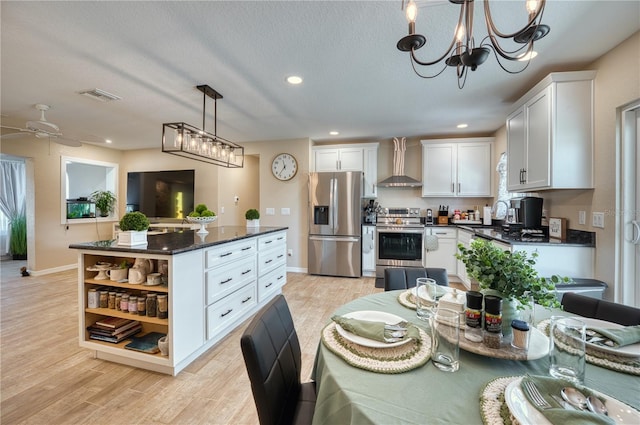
(462,52)
(188,141)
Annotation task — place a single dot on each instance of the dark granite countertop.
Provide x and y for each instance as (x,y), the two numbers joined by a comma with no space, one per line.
(574,237)
(178,242)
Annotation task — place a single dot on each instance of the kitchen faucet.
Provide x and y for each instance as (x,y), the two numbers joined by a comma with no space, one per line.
(495,207)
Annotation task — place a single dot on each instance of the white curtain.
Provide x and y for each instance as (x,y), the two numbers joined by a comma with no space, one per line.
(13,189)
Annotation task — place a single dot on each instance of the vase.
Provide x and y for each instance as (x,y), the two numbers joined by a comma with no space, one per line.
(509,311)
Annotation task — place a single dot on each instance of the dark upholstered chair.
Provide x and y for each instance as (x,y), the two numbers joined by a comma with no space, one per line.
(600,309)
(405,277)
(272,356)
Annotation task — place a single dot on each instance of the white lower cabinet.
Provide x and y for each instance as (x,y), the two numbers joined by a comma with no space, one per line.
(222,314)
(464,238)
(444,256)
(369,251)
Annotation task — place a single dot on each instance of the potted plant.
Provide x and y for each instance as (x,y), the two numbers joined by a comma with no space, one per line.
(509,275)
(133,229)
(105,201)
(253,217)
(18,237)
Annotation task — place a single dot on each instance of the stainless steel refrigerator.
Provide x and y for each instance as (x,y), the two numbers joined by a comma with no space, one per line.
(334,223)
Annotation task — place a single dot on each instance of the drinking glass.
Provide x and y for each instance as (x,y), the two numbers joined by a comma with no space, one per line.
(446,340)
(567,348)
(425,298)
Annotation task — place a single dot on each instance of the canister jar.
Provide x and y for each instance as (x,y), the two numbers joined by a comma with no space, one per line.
(142,306)
(133,304)
(163,307)
(152,305)
(93,298)
(124,303)
(104,299)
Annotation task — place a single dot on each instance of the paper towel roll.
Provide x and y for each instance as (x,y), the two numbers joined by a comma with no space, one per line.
(486,216)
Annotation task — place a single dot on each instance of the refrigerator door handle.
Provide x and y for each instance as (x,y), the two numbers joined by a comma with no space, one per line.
(636,225)
(331,201)
(334,203)
(334,238)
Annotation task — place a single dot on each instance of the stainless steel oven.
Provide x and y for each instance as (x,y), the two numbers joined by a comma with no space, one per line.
(399,239)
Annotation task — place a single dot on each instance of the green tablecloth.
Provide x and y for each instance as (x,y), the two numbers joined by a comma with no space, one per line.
(347,395)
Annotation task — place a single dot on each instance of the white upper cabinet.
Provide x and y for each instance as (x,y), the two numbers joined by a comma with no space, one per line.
(456,167)
(550,135)
(358,157)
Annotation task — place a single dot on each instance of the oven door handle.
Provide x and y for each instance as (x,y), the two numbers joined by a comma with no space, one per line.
(399,230)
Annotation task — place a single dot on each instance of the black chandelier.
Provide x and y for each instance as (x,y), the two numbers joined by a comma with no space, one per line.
(185,140)
(462,52)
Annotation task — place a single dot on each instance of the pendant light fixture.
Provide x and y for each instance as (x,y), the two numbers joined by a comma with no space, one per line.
(188,141)
(462,53)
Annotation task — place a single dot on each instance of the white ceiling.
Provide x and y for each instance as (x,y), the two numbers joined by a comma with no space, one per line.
(153,54)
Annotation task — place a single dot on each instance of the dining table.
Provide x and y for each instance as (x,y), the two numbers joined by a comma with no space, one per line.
(426,395)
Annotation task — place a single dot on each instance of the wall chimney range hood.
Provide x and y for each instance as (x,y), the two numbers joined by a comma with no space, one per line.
(399,179)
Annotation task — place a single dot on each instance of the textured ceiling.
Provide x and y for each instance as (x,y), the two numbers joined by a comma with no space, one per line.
(153,54)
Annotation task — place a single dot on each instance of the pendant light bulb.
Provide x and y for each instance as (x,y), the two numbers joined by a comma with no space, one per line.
(460,32)
(532,6)
(411,12)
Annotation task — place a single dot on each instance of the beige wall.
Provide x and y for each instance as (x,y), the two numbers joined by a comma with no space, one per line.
(617,83)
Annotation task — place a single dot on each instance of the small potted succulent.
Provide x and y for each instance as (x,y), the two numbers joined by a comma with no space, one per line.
(133,229)
(105,201)
(253,217)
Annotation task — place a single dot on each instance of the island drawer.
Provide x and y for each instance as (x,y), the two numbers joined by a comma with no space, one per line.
(229,252)
(270,241)
(221,281)
(223,313)
(271,259)
(271,283)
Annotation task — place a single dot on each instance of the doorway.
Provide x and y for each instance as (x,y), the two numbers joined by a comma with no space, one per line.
(628,206)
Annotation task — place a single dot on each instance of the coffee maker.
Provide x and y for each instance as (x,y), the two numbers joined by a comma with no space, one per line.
(528,211)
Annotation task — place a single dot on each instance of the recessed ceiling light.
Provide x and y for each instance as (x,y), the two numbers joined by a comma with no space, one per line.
(108,141)
(334,133)
(528,56)
(294,80)
(462,125)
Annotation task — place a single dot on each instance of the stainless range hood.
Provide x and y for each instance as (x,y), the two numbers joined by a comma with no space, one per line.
(399,179)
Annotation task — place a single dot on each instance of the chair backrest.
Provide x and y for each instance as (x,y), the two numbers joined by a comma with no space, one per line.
(600,309)
(272,356)
(405,277)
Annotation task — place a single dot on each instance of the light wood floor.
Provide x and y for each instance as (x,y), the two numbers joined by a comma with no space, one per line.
(47,379)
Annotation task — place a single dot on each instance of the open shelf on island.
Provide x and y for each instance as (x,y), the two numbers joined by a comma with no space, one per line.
(133,286)
(116,313)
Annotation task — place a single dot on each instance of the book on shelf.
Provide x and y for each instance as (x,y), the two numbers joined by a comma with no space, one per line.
(111,322)
(146,343)
(116,338)
(112,331)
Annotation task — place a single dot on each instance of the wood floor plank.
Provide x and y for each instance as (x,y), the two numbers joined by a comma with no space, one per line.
(46,378)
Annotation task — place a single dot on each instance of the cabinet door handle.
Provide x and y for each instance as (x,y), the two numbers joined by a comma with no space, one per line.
(246,248)
(268,261)
(458,187)
(246,299)
(524,175)
(226,281)
(281,255)
(453,187)
(228,311)
(636,240)
(226,255)
(245,272)
(270,283)
(280,277)
(266,242)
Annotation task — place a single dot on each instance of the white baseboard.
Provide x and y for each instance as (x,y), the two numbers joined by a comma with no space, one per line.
(296,270)
(53,270)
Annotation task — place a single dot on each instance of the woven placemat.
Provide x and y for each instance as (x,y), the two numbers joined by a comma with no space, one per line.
(493,407)
(407,299)
(398,359)
(630,365)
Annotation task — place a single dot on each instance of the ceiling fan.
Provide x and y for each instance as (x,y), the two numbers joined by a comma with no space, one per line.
(42,129)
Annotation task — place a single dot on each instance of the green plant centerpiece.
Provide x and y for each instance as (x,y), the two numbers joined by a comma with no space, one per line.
(105,201)
(253,217)
(202,211)
(509,275)
(135,221)
(252,214)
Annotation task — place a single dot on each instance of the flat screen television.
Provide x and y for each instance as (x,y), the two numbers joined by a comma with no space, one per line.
(161,194)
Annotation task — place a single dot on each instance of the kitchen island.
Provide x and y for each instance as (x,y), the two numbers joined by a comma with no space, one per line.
(212,282)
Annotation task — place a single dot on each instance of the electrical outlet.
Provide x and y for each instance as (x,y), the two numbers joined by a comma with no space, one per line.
(271,211)
(221,210)
(598,220)
(285,211)
(582,217)
(290,252)
(236,199)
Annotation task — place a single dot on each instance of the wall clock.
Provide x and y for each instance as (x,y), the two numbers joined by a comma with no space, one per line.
(284,166)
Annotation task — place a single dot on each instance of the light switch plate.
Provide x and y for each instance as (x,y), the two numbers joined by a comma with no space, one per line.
(598,220)
(285,211)
(582,217)
(271,211)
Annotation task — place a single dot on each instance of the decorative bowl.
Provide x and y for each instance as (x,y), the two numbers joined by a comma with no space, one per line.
(202,221)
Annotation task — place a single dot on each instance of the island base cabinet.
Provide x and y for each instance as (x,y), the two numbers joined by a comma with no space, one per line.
(225,312)
(271,283)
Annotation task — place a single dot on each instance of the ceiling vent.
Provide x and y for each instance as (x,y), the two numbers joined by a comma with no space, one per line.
(100,95)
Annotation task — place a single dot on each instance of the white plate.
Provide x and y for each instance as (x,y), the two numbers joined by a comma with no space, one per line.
(372,316)
(632,350)
(526,414)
